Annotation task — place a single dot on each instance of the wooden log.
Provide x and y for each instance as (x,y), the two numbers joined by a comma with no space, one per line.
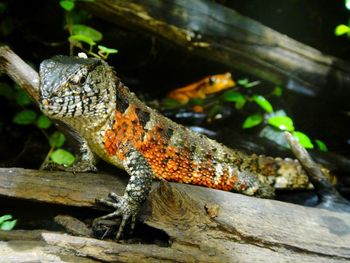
(29,246)
(204,225)
(58,187)
(221,34)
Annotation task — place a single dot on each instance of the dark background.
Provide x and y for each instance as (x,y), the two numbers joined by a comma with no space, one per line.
(35,31)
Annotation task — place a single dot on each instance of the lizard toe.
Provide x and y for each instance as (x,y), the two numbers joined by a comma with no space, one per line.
(124,207)
(106,203)
(115,197)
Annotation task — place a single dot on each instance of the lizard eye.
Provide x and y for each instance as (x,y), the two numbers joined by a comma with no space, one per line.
(82,80)
(78,80)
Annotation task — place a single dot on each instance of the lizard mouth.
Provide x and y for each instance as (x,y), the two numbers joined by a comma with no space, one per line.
(60,107)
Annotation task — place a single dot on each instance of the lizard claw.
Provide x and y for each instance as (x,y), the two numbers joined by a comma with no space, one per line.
(123,207)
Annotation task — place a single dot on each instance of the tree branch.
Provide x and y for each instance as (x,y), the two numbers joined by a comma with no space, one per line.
(20,72)
(328,194)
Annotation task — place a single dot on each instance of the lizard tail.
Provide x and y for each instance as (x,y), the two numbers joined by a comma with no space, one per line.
(286,173)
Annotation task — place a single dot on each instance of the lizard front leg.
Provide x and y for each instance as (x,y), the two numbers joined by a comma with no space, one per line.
(87,160)
(136,192)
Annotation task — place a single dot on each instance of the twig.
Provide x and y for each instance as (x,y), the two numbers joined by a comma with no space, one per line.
(327,193)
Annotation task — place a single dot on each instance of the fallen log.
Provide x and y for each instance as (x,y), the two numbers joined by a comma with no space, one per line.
(217,33)
(203,225)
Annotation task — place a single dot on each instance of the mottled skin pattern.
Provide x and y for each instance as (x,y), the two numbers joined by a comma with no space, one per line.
(112,123)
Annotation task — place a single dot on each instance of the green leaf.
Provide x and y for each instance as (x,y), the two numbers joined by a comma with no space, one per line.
(243,82)
(277,91)
(8,225)
(43,122)
(87,31)
(22,98)
(341,30)
(263,103)
(321,145)
(62,157)
(247,84)
(234,96)
(67,5)
(25,117)
(252,120)
(5,218)
(303,139)
(252,84)
(5,224)
(170,103)
(6,91)
(82,38)
(197,101)
(347,4)
(57,139)
(107,50)
(283,123)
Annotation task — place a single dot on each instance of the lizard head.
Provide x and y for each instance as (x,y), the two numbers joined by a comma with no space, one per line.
(72,87)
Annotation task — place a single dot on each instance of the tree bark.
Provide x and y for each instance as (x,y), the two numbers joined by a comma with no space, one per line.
(221,34)
(203,225)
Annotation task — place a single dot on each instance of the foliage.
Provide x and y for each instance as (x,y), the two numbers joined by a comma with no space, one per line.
(263,103)
(234,96)
(278,120)
(303,139)
(62,157)
(81,35)
(43,122)
(321,145)
(343,29)
(284,123)
(272,123)
(28,116)
(25,117)
(252,121)
(6,223)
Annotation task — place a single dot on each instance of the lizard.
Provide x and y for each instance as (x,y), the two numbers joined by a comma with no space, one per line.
(111,122)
